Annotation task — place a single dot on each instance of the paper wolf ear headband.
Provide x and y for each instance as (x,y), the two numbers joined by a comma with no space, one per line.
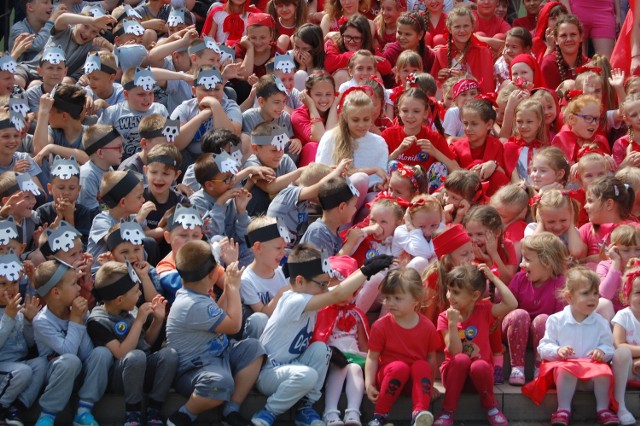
(18,103)
(226,163)
(278,138)
(24,182)
(284,63)
(186,217)
(62,238)
(268,233)
(310,268)
(9,231)
(345,194)
(7,63)
(120,189)
(10,266)
(94,63)
(142,78)
(53,55)
(208,78)
(130,26)
(119,287)
(14,121)
(171,130)
(209,43)
(129,231)
(64,168)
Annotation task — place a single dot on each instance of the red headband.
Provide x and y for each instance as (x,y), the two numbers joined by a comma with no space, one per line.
(464,85)
(589,149)
(489,97)
(628,283)
(451,239)
(384,195)
(364,89)
(587,68)
(405,172)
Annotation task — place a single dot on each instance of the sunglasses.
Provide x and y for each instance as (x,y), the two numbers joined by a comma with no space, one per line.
(228,180)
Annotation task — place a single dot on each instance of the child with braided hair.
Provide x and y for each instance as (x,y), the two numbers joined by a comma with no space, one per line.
(561,64)
(411,29)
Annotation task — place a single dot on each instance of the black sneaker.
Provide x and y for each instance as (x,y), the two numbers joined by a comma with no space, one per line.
(179,419)
(235,419)
(154,418)
(13,416)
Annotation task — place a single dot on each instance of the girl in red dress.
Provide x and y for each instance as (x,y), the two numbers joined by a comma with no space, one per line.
(227,23)
(405,181)
(551,107)
(549,169)
(478,151)
(561,64)
(338,13)
(543,42)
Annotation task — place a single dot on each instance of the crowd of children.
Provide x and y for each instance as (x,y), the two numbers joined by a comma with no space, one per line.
(334,197)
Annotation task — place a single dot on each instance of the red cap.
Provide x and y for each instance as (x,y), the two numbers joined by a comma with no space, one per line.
(451,239)
(343,265)
(262,19)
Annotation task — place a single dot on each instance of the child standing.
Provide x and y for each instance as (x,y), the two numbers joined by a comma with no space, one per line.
(627,341)
(295,370)
(129,339)
(577,344)
(544,260)
(465,327)
(402,350)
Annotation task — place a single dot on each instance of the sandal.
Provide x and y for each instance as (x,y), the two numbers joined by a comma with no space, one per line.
(332,418)
(560,418)
(516,378)
(608,417)
(351,417)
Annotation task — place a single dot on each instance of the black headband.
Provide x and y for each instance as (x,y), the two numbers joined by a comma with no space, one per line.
(198,274)
(308,269)
(102,142)
(107,69)
(332,201)
(150,134)
(71,108)
(132,85)
(120,189)
(115,289)
(266,233)
(6,124)
(114,239)
(163,159)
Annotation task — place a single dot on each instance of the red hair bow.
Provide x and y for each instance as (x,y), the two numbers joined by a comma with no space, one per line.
(376,79)
(572,194)
(589,149)
(574,94)
(396,92)
(405,172)
(533,201)
(628,282)
(481,193)
(384,195)
(411,79)
(364,89)
(489,97)
(343,20)
(587,68)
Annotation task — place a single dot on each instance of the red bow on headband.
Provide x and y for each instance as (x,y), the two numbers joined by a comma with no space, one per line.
(586,68)
(589,149)
(489,97)
(364,89)
(572,194)
(405,172)
(533,201)
(628,282)
(395,94)
(384,195)
(376,79)
(411,79)
(481,194)
(574,94)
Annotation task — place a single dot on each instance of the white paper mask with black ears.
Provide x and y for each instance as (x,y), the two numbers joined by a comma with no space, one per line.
(227,54)
(284,63)
(186,217)
(53,55)
(62,238)
(17,121)
(280,85)
(226,163)
(353,189)
(130,12)
(211,44)
(176,17)
(92,63)
(132,273)
(209,79)
(7,63)
(284,231)
(8,231)
(326,265)
(171,130)
(10,266)
(18,103)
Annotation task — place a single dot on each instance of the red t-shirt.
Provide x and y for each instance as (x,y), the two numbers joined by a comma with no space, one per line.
(396,343)
(491,27)
(474,332)
(395,135)
(529,22)
(515,231)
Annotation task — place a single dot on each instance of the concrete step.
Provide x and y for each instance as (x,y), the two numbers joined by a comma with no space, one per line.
(517,408)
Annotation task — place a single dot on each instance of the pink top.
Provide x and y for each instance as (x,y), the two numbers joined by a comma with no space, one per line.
(610,284)
(537,300)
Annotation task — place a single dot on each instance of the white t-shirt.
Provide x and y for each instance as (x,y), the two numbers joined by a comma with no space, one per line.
(289,330)
(255,289)
(628,321)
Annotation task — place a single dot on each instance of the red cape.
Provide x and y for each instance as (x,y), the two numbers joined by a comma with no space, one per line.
(567,141)
(326,320)
(621,56)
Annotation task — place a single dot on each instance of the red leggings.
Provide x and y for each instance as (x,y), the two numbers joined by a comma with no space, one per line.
(455,374)
(392,379)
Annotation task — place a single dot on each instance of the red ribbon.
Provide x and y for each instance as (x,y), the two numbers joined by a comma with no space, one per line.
(364,89)
(533,201)
(574,94)
(587,68)
(384,195)
(628,282)
(521,83)
(589,149)
(489,97)
(234,25)
(411,79)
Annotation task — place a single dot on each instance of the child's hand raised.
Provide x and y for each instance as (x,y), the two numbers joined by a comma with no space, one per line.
(295,146)
(142,268)
(453,316)
(341,168)
(565,352)
(29,269)
(31,308)
(144,311)
(102,22)
(146,208)
(79,308)
(13,305)
(617,78)
(242,199)
(159,307)
(596,355)
(105,257)
(233,276)
(229,250)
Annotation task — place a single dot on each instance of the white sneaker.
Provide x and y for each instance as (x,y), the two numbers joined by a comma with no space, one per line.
(626,418)
(332,418)
(352,417)
(423,418)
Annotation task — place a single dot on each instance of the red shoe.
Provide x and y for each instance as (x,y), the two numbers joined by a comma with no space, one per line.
(560,418)
(497,418)
(607,417)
